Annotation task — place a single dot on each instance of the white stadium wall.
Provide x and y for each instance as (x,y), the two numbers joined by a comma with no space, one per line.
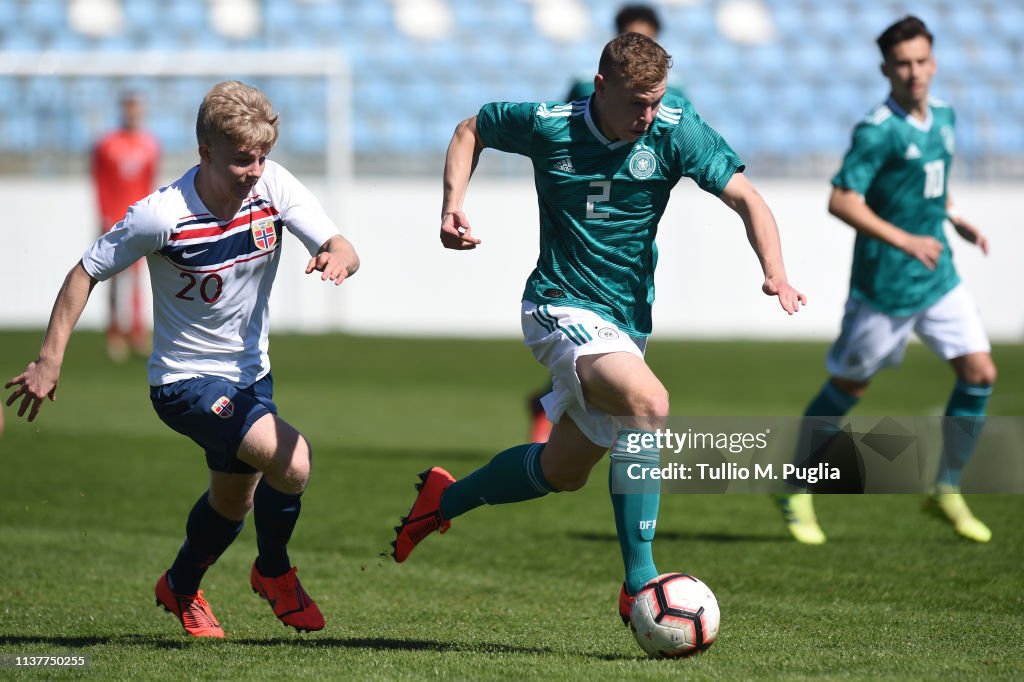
(708,281)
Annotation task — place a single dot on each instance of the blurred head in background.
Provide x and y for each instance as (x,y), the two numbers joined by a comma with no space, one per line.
(908,61)
(638,19)
(133,110)
(630,83)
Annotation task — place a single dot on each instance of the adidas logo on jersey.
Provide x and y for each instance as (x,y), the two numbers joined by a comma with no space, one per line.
(912,152)
(565,165)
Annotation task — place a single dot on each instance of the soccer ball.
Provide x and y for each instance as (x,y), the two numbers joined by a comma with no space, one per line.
(674,615)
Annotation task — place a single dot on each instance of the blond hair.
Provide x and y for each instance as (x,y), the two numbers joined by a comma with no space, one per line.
(238,113)
(636,60)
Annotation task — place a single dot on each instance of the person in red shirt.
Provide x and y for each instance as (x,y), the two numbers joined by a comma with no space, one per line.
(124,164)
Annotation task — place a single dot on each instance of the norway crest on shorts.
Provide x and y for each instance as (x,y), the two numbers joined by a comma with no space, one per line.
(264,234)
(223,407)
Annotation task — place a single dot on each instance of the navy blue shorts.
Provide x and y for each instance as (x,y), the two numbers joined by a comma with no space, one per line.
(216,414)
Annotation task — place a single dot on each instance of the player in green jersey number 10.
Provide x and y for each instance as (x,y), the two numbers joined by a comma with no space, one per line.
(892,188)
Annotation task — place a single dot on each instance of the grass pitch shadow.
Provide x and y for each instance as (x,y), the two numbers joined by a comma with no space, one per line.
(83,641)
(77,642)
(394,644)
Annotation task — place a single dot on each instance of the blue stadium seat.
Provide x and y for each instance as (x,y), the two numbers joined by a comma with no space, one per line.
(820,21)
(695,21)
(823,61)
(513,17)
(9,14)
(1010,25)
(67,41)
(829,132)
(470,16)
(400,137)
(21,133)
(19,41)
(186,15)
(372,16)
(979,99)
(43,15)
(140,15)
(309,19)
(812,59)
(45,92)
(486,54)
(1009,137)
(1013,99)
(119,42)
(441,60)
(439,131)
(10,96)
(768,62)
(284,17)
(871,19)
(969,22)
(305,133)
(790,22)
(719,60)
(376,95)
(998,58)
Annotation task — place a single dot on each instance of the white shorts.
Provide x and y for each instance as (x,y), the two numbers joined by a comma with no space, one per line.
(557,336)
(871,340)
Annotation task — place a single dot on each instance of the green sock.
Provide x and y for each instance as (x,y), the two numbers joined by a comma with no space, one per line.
(636,512)
(514,475)
(820,423)
(961,428)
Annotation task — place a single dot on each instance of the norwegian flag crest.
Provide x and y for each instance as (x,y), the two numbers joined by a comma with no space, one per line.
(264,234)
(223,407)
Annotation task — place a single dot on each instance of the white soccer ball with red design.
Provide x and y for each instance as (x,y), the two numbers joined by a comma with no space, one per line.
(675,615)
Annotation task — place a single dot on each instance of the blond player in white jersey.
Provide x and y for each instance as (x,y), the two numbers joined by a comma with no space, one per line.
(213,242)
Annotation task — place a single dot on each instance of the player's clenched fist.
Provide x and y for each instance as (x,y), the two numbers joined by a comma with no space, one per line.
(456,232)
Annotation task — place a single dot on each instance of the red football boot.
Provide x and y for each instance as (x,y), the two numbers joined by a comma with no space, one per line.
(425,515)
(625,604)
(290,602)
(191,610)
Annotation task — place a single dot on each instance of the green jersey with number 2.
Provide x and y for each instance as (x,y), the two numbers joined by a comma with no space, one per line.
(601,200)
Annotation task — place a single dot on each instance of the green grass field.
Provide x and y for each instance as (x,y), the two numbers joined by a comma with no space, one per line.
(94,495)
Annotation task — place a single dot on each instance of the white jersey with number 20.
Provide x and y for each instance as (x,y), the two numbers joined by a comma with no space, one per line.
(211,278)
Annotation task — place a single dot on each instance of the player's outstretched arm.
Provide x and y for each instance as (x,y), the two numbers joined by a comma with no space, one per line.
(336,259)
(966,229)
(39,380)
(763,235)
(849,206)
(459,164)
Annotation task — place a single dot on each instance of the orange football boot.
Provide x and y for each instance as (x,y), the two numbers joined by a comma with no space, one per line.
(190,609)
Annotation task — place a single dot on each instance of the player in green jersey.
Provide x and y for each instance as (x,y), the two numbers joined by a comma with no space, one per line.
(603,170)
(641,19)
(892,188)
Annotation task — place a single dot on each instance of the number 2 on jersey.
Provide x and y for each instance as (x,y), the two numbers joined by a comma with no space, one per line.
(604,193)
